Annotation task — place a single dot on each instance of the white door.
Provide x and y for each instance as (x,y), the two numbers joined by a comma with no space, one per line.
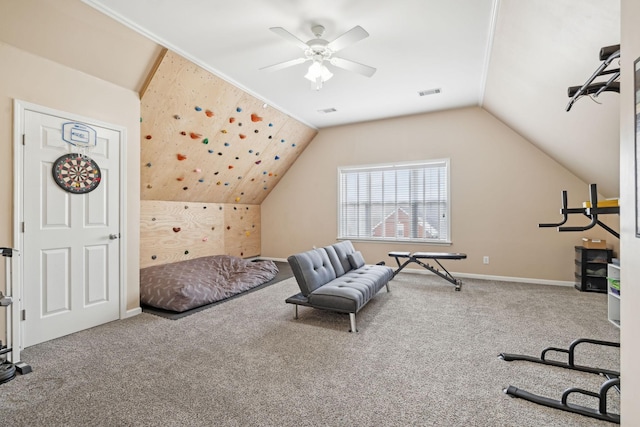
(70,251)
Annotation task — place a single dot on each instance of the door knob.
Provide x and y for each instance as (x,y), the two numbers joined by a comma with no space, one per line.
(114,236)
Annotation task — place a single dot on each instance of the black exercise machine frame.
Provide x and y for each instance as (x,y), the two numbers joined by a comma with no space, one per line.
(591,212)
(435,256)
(607,54)
(613,381)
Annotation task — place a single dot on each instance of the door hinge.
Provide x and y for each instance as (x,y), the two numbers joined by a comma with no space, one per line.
(23,314)
(24,137)
(23,226)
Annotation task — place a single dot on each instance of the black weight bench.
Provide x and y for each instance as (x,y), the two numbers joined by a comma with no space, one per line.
(416,257)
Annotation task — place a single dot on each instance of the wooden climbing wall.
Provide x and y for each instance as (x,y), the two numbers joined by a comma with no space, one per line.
(208,143)
(205,140)
(177,231)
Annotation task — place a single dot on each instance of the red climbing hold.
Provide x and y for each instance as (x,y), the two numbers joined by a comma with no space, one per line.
(209,113)
(181,157)
(176,229)
(258,162)
(180,178)
(242,136)
(230,166)
(232,119)
(194,135)
(255,118)
(148,136)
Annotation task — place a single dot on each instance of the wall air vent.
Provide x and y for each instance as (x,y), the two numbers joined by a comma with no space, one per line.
(327,110)
(429,92)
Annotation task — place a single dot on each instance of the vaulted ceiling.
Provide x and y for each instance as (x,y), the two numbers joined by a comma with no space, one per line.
(513,58)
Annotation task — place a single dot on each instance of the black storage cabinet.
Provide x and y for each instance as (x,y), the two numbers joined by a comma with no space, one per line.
(591,269)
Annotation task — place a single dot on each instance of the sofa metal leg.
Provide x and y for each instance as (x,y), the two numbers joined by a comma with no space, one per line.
(296,316)
(387,285)
(352,319)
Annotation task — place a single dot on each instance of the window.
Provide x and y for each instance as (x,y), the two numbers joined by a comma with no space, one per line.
(395,202)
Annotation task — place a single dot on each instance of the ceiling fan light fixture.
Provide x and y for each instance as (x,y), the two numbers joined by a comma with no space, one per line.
(317,70)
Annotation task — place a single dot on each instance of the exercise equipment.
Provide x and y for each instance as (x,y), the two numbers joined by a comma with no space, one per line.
(8,370)
(591,209)
(607,55)
(613,381)
(417,258)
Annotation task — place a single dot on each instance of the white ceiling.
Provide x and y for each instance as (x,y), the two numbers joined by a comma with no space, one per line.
(514,58)
(414,44)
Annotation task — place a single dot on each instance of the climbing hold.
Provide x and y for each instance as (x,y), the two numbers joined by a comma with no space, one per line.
(209,113)
(153,219)
(182,157)
(226,183)
(240,124)
(185,188)
(148,136)
(270,125)
(282,140)
(238,109)
(237,158)
(205,141)
(198,108)
(230,166)
(228,227)
(242,136)
(180,178)
(250,151)
(183,133)
(277,158)
(270,173)
(223,131)
(197,170)
(258,162)
(186,206)
(247,233)
(149,186)
(148,164)
(186,252)
(194,135)
(210,151)
(270,137)
(216,173)
(237,199)
(226,144)
(240,177)
(176,229)
(140,119)
(232,119)
(153,257)
(220,153)
(218,183)
(201,180)
(257,153)
(205,239)
(241,253)
(177,117)
(293,145)
(255,118)
(256,131)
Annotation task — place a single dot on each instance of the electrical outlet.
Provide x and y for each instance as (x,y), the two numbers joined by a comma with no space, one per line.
(485,259)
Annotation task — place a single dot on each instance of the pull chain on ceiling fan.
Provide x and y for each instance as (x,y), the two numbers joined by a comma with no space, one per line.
(319,50)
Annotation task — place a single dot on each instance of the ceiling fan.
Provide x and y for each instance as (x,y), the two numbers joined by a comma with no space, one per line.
(319,50)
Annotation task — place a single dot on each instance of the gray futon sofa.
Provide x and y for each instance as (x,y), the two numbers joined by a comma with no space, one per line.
(336,278)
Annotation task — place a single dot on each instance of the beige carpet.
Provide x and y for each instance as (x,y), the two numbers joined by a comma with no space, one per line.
(425,355)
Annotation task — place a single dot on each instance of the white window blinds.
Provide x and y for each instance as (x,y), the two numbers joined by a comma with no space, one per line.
(395,202)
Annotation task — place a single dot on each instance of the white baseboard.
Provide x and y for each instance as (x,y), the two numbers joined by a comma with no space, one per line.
(133,312)
(496,278)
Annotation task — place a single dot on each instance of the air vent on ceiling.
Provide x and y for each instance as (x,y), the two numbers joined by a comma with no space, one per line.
(429,92)
(327,110)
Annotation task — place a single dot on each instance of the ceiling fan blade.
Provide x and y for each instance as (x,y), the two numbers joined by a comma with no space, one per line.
(355,34)
(287,35)
(282,65)
(356,67)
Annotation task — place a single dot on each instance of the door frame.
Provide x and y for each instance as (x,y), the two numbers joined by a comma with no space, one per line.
(15,325)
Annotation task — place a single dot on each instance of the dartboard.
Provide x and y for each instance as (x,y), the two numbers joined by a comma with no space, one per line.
(76,173)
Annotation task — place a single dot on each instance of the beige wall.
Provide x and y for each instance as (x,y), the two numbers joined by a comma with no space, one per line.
(33,79)
(629,244)
(502,186)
